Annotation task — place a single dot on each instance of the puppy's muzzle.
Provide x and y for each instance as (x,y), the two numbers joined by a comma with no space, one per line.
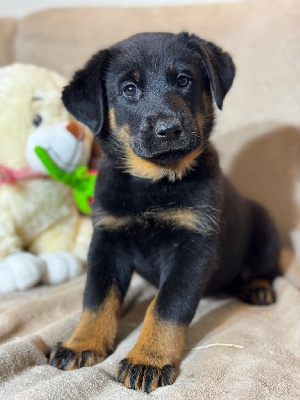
(163,139)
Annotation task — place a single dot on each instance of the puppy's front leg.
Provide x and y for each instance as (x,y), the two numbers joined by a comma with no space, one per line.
(154,360)
(108,277)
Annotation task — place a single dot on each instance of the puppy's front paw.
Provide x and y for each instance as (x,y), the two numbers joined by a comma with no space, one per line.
(67,358)
(146,377)
(93,339)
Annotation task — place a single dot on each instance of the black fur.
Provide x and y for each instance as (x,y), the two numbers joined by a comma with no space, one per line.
(161,88)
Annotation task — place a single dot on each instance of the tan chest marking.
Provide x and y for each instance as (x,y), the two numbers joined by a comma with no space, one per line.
(200,219)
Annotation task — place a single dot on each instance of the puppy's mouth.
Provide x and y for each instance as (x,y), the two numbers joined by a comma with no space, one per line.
(167,157)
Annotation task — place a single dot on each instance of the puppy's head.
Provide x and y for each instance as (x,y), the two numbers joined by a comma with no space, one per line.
(149,99)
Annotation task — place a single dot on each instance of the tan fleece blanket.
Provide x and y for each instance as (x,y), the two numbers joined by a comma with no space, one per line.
(233,350)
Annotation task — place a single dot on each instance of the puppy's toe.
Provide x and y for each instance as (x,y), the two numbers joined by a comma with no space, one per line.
(67,359)
(144,377)
(258,292)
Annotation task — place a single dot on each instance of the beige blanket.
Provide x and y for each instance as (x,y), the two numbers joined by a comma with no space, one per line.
(233,351)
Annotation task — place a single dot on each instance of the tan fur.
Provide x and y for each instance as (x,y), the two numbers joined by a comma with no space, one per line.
(146,169)
(121,133)
(199,219)
(160,342)
(207,103)
(205,116)
(137,75)
(96,331)
(182,218)
(108,221)
(259,283)
(112,119)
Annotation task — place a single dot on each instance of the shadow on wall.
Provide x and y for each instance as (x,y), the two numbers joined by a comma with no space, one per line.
(267,169)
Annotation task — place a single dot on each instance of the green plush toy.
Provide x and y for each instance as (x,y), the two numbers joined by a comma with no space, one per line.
(81,180)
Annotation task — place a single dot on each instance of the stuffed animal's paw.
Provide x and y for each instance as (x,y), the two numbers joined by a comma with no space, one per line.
(60,267)
(20,271)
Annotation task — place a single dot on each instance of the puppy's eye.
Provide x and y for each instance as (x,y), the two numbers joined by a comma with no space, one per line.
(183,81)
(37,120)
(130,91)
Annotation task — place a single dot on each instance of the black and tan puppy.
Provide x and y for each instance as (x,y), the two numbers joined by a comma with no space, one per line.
(162,206)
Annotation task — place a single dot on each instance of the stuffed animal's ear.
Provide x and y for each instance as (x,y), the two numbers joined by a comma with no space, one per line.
(219,66)
(84,97)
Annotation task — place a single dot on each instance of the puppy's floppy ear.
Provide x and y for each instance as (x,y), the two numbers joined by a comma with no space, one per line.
(218,64)
(84,97)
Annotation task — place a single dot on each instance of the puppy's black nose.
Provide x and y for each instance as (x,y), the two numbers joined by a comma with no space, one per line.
(168,130)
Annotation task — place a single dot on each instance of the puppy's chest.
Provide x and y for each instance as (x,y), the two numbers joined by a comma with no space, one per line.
(140,210)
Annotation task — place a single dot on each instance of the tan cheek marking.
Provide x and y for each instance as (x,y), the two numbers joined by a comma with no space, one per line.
(201,120)
(187,163)
(206,115)
(146,169)
(136,166)
(160,342)
(112,119)
(124,133)
(121,132)
(97,330)
(207,101)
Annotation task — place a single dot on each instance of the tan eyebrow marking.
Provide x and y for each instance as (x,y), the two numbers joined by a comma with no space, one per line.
(136,75)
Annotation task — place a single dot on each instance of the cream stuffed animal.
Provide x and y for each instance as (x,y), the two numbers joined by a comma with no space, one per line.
(43,238)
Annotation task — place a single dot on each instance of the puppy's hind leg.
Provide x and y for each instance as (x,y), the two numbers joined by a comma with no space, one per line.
(261,265)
